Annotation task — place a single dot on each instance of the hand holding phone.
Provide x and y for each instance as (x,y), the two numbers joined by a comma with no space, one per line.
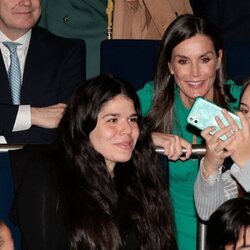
(203,113)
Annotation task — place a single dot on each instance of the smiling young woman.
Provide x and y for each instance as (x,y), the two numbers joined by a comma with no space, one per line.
(103,186)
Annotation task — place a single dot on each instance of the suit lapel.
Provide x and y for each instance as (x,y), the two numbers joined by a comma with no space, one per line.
(33,66)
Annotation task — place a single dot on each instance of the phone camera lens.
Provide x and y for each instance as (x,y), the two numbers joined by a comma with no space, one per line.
(191,119)
(195,121)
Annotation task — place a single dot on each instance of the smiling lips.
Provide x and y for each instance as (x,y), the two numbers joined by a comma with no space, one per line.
(195,84)
(127,145)
(24,12)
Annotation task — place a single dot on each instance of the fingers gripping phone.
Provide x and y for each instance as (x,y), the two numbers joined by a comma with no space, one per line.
(203,113)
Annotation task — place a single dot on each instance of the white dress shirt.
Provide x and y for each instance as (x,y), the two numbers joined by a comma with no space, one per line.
(23,119)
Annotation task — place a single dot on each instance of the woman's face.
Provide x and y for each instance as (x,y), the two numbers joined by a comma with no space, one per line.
(245,103)
(194,64)
(116,131)
(243,242)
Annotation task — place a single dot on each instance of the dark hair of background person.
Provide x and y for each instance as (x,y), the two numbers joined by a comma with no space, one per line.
(226,222)
(246,83)
(90,199)
(182,28)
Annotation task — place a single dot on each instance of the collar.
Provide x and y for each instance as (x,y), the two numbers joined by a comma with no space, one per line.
(24,40)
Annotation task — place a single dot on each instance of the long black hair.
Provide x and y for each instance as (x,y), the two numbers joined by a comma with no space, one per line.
(227,221)
(182,28)
(89,197)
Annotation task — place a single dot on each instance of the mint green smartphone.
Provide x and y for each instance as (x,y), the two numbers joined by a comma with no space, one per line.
(202,115)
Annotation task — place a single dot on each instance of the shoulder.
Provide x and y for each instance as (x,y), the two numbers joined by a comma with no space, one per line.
(74,17)
(146,95)
(147,89)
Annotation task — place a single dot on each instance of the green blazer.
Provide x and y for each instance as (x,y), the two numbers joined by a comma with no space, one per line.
(81,19)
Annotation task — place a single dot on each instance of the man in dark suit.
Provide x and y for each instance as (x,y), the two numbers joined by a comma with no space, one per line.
(51,68)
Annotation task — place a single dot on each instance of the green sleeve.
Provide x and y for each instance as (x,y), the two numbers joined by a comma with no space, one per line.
(86,20)
(146,95)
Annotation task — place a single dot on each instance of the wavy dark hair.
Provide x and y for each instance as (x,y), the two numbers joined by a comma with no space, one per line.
(226,222)
(182,28)
(89,197)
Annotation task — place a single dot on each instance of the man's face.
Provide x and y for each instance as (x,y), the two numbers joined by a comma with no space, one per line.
(18,16)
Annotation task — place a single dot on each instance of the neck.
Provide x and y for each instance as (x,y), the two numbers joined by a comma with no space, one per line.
(187,102)
(110,167)
(14,35)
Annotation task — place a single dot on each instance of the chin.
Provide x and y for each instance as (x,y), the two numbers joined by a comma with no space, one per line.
(194,95)
(124,158)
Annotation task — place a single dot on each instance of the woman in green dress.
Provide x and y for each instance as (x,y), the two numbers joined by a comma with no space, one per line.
(189,65)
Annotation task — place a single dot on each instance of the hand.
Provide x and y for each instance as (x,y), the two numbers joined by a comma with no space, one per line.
(241,144)
(172,145)
(47,117)
(215,149)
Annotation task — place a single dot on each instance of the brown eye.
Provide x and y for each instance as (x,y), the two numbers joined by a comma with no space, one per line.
(182,61)
(113,120)
(244,111)
(134,119)
(205,60)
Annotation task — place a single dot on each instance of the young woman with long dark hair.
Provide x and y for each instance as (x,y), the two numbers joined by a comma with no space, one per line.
(109,187)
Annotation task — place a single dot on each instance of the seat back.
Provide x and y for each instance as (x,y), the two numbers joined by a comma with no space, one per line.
(130,60)
(237,57)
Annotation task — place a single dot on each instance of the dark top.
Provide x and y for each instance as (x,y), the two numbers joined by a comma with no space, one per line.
(36,204)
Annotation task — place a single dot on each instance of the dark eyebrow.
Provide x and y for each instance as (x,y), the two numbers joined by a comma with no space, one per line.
(110,114)
(244,104)
(205,54)
(135,114)
(117,115)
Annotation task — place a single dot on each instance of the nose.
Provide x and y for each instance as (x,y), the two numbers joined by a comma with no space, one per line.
(126,128)
(25,2)
(195,69)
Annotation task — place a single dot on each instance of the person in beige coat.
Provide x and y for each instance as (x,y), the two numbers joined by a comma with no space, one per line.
(145,19)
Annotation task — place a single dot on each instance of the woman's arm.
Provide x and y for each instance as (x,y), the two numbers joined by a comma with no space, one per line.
(212,187)
(172,145)
(211,192)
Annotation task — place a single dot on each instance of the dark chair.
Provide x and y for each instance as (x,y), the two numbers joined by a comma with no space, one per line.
(238,55)
(130,60)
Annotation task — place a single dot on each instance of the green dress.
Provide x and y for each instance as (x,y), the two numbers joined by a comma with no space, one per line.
(182,175)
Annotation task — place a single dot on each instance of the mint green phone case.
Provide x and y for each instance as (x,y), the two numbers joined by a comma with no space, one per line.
(202,115)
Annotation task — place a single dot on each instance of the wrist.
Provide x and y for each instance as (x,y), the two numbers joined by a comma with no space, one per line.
(34,116)
(209,172)
(209,167)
